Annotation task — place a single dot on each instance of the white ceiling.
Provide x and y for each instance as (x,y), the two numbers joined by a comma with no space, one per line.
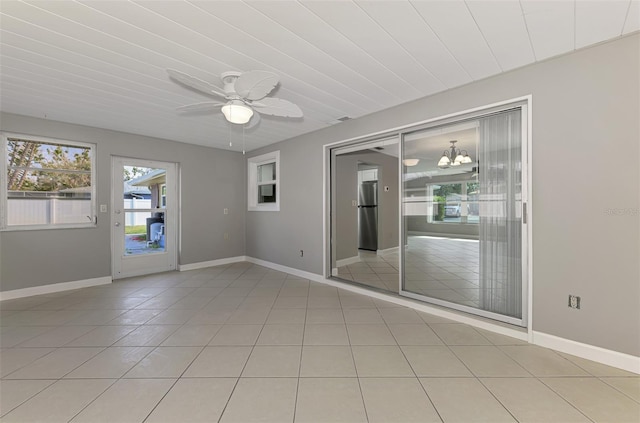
(102,63)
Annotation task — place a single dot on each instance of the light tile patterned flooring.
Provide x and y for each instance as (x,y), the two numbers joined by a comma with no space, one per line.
(242,343)
(442,268)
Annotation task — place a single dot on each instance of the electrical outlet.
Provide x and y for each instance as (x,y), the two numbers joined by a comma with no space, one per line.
(226,235)
(226,211)
(574,301)
(354,203)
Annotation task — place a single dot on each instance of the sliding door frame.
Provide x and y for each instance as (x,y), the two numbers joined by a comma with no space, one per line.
(525,104)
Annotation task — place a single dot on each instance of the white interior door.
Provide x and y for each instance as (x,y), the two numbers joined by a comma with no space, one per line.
(143,217)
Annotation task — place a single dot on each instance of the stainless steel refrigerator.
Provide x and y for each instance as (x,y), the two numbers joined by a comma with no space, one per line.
(368,216)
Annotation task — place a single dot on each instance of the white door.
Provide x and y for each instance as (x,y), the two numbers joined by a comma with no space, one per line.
(143,217)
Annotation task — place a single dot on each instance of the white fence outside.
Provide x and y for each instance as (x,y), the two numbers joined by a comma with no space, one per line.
(47,211)
(136,218)
(50,211)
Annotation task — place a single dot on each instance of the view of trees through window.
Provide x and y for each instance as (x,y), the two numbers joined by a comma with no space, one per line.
(48,183)
(36,166)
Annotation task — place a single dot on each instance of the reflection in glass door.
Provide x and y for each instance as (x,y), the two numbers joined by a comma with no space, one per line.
(462,215)
(364,214)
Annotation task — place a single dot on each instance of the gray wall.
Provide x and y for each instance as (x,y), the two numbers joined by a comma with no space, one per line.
(346,215)
(211,180)
(585,107)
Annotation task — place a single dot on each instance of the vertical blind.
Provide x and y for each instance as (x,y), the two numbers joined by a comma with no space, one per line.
(500,229)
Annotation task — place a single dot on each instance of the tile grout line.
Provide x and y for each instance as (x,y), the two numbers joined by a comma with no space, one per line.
(410,366)
(353,360)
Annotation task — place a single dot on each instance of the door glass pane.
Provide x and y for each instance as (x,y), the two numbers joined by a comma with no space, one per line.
(461,214)
(144,232)
(144,206)
(365,213)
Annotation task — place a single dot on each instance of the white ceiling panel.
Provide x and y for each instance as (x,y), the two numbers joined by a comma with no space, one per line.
(270,32)
(551,26)
(455,27)
(598,20)
(503,26)
(303,22)
(632,22)
(352,22)
(103,63)
(407,27)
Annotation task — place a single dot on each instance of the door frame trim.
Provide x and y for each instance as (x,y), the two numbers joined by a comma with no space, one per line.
(175,239)
(527,113)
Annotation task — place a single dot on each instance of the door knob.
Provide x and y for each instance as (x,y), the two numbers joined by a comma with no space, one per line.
(117,224)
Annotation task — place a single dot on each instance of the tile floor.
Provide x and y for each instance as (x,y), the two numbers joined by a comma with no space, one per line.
(442,268)
(242,343)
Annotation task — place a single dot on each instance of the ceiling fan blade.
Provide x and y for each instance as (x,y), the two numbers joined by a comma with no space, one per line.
(254,85)
(255,120)
(206,106)
(277,107)
(195,83)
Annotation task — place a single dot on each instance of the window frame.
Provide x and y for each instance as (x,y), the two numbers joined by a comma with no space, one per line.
(4,189)
(252,181)
(162,193)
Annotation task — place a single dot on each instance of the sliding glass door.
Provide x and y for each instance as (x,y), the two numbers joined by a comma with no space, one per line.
(435,213)
(462,220)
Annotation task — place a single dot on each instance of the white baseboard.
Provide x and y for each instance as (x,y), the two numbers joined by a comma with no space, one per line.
(387,251)
(54,287)
(611,358)
(423,307)
(211,263)
(290,270)
(443,235)
(347,261)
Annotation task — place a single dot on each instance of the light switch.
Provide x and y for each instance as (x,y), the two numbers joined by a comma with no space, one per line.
(103,208)
(354,203)
(226,211)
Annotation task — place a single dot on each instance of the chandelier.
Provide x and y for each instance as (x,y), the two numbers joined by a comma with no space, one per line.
(453,157)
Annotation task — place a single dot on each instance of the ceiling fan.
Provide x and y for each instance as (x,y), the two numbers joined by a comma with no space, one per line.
(245,93)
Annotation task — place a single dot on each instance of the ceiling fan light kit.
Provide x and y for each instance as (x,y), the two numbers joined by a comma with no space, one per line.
(236,112)
(453,157)
(245,95)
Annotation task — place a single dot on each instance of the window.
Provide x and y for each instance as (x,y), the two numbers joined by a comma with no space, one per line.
(48,183)
(163,196)
(264,187)
(453,203)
